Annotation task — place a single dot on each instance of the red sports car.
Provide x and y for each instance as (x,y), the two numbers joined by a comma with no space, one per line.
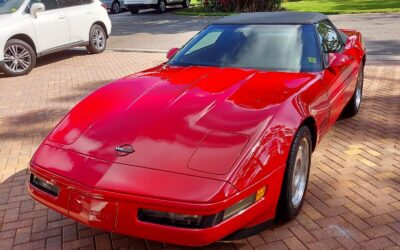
(211,145)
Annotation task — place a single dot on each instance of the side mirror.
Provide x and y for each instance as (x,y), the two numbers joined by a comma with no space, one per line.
(336,61)
(37,8)
(172,52)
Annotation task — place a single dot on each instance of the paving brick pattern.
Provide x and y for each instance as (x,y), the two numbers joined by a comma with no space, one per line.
(353,199)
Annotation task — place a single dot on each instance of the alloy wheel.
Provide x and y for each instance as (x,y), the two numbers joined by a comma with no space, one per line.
(17,58)
(98,39)
(116,8)
(359,88)
(300,172)
(163,7)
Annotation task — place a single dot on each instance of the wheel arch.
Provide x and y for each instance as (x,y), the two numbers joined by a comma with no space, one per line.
(25,38)
(103,26)
(312,126)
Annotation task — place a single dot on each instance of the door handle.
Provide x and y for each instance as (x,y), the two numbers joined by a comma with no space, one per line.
(61,16)
(88,12)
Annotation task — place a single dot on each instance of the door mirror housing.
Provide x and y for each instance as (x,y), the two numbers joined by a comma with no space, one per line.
(336,61)
(172,52)
(37,8)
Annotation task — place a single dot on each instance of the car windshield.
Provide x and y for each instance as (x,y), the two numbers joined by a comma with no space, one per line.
(10,6)
(290,48)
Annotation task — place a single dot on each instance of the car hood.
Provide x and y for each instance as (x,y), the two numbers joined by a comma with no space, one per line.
(10,19)
(4,18)
(189,120)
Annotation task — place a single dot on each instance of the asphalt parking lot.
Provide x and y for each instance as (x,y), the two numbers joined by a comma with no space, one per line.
(151,31)
(353,199)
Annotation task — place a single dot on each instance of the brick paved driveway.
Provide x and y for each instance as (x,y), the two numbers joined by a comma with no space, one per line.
(353,200)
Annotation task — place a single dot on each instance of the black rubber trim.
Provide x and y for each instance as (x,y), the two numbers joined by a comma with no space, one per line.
(45,190)
(250,231)
(206,222)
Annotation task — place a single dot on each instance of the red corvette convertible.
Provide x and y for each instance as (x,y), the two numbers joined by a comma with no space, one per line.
(212,145)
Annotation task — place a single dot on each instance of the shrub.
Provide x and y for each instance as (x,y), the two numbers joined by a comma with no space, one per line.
(242,5)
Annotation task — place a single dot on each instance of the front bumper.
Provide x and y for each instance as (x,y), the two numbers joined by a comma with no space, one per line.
(118,213)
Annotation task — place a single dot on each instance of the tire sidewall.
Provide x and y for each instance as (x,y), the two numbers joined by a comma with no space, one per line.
(116,3)
(159,6)
(351,108)
(286,210)
(91,47)
(31,52)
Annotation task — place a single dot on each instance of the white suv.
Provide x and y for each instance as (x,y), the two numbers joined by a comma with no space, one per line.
(33,28)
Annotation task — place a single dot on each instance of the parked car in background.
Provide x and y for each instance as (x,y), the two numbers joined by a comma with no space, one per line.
(160,5)
(115,6)
(32,28)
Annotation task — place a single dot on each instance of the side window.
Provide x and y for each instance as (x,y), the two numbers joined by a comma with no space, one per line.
(71,3)
(48,4)
(87,1)
(206,41)
(329,37)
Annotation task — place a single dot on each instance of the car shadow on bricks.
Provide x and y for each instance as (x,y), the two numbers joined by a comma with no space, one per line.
(56,57)
(61,56)
(27,224)
(80,92)
(30,124)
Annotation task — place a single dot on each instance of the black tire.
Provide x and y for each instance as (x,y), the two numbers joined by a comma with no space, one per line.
(97,39)
(21,58)
(115,7)
(161,6)
(287,208)
(186,4)
(133,10)
(354,104)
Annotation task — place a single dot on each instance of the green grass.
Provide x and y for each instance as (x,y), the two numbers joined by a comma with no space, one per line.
(324,6)
(344,6)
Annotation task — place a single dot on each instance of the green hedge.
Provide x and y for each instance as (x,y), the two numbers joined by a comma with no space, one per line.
(242,5)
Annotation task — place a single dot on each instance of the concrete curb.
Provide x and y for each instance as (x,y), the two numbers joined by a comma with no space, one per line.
(138,50)
(383,57)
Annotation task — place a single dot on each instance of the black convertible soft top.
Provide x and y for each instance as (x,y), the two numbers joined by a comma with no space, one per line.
(273,18)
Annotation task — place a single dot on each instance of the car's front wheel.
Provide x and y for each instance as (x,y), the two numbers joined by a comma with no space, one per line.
(296,175)
(161,6)
(97,39)
(186,3)
(19,58)
(115,7)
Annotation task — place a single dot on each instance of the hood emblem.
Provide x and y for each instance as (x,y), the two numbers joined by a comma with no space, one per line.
(124,150)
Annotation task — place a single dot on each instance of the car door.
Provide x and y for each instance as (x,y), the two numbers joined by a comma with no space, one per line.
(337,79)
(80,16)
(51,26)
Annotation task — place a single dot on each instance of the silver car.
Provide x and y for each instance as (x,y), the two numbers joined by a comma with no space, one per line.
(115,6)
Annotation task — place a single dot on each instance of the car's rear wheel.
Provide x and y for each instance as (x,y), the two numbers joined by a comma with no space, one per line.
(186,3)
(115,7)
(354,104)
(19,58)
(97,40)
(161,6)
(296,175)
